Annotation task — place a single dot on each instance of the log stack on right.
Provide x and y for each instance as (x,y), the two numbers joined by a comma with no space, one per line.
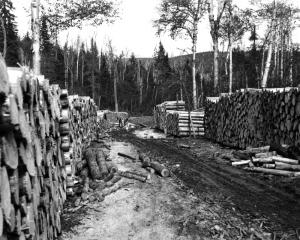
(254,119)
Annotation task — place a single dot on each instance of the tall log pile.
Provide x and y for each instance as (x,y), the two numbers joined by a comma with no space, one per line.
(183,123)
(172,118)
(34,141)
(253,119)
(83,129)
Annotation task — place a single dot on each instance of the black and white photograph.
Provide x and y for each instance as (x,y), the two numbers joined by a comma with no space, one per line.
(149,119)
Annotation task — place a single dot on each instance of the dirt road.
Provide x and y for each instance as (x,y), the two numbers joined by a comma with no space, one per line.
(205,198)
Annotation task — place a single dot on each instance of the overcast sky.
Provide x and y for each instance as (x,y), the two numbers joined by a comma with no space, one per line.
(134,31)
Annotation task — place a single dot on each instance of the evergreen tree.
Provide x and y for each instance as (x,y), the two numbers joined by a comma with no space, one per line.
(47,51)
(26,50)
(12,40)
(162,74)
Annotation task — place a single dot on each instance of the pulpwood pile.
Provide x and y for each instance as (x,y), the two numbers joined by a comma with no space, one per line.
(254,119)
(35,154)
(172,118)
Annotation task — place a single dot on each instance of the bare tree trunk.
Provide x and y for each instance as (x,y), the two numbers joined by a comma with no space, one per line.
(194,72)
(267,66)
(115,89)
(4,37)
(140,83)
(66,61)
(291,59)
(230,63)
(35,9)
(270,48)
(216,63)
(281,57)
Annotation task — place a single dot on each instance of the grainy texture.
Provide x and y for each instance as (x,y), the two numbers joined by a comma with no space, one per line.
(36,152)
(254,119)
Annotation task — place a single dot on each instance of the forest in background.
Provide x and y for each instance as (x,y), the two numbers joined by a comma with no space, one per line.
(142,83)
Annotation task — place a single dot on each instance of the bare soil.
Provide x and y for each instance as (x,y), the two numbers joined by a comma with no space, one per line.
(205,197)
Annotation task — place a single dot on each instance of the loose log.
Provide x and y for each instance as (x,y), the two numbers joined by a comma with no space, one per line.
(91,158)
(1,220)
(10,151)
(164,172)
(263,160)
(132,175)
(272,171)
(239,163)
(5,193)
(126,156)
(102,163)
(258,150)
(265,154)
(286,166)
(112,168)
(285,160)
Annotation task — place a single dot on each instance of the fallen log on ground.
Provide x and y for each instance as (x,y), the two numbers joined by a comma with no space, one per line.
(240,163)
(272,171)
(286,166)
(132,175)
(126,156)
(285,160)
(159,168)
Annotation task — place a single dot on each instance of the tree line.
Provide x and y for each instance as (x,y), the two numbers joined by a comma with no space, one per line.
(127,83)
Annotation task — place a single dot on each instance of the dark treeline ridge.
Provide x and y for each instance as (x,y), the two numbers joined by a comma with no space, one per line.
(142,83)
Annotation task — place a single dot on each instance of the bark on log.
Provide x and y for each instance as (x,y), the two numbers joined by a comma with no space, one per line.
(163,171)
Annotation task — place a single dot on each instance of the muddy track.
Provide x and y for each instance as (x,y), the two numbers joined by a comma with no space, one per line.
(248,193)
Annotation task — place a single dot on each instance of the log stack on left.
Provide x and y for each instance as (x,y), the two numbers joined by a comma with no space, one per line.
(34,137)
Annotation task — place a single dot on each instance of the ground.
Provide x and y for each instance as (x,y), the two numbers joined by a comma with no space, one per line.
(205,197)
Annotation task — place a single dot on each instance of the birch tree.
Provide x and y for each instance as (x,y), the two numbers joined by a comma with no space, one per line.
(215,12)
(179,17)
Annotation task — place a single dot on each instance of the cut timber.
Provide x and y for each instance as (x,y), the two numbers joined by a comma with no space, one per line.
(269,165)
(10,151)
(265,154)
(285,160)
(258,150)
(102,163)
(112,168)
(91,159)
(5,193)
(4,84)
(239,163)
(263,160)
(272,171)
(285,166)
(1,222)
(126,156)
(132,175)
(164,172)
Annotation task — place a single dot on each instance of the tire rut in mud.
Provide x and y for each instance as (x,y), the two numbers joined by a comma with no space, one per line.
(250,195)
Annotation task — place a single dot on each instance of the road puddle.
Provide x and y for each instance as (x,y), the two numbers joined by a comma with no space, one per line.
(148,133)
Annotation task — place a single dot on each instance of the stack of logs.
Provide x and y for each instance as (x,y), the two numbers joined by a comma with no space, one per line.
(274,159)
(254,119)
(83,129)
(34,139)
(182,123)
(172,118)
